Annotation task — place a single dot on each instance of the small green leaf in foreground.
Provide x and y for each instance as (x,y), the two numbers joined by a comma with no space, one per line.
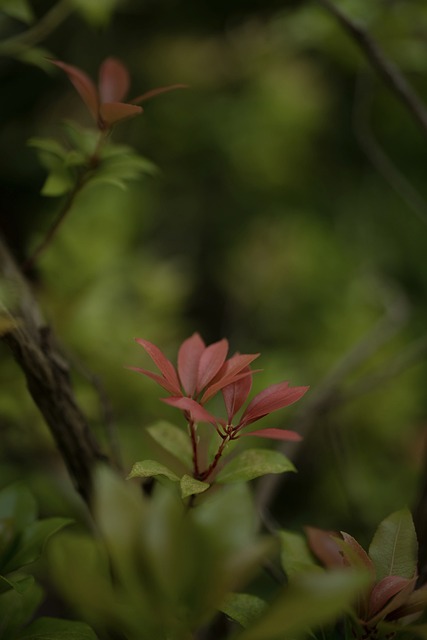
(295,554)
(190,486)
(244,608)
(151,468)
(253,463)
(55,629)
(312,601)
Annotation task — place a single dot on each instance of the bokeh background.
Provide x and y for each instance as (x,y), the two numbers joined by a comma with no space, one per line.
(275,218)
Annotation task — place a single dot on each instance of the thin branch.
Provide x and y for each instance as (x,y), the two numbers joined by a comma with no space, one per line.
(54,228)
(378,157)
(329,394)
(390,73)
(33,346)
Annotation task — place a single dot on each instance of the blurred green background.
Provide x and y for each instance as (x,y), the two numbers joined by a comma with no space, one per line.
(266,223)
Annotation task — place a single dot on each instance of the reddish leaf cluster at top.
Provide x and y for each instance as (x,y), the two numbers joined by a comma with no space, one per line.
(203,371)
(389,599)
(105,101)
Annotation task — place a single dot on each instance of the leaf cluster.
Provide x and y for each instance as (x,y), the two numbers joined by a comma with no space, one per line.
(22,538)
(85,157)
(163,571)
(389,602)
(245,466)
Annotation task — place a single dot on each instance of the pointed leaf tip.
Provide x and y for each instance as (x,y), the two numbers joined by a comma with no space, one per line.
(189,355)
(275,434)
(83,85)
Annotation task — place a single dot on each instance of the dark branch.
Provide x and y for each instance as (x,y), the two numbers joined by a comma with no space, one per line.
(390,73)
(33,346)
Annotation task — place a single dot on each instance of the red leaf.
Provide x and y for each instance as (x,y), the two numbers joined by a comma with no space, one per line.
(271,399)
(230,372)
(83,85)
(383,591)
(416,602)
(357,556)
(275,434)
(164,365)
(113,112)
(189,355)
(155,92)
(113,81)
(196,411)
(235,394)
(324,546)
(211,361)
(165,384)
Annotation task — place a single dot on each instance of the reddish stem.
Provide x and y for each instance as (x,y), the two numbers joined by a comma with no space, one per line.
(193,436)
(205,474)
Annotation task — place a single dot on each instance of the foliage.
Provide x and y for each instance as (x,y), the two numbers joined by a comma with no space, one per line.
(22,538)
(161,572)
(389,603)
(290,216)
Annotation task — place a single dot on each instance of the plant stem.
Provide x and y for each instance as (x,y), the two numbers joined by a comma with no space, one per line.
(82,179)
(57,222)
(205,474)
(193,435)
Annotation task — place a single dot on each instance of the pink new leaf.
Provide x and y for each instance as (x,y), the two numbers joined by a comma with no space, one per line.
(324,546)
(83,85)
(211,361)
(196,411)
(356,555)
(112,112)
(271,399)
(232,370)
(113,81)
(154,376)
(235,394)
(189,355)
(155,92)
(415,603)
(164,365)
(275,434)
(384,590)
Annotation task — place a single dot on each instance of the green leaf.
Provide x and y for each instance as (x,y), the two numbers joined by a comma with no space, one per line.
(50,145)
(19,583)
(394,547)
(18,9)
(313,600)
(18,506)
(96,12)
(108,180)
(5,584)
(32,541)
(17,607)
(58,183)
(229,515)
(244,608)
(55,629)
(81,139)
(151,468)
(37,56)
(295,554)
(173,439)
(253,463)
(190,486)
